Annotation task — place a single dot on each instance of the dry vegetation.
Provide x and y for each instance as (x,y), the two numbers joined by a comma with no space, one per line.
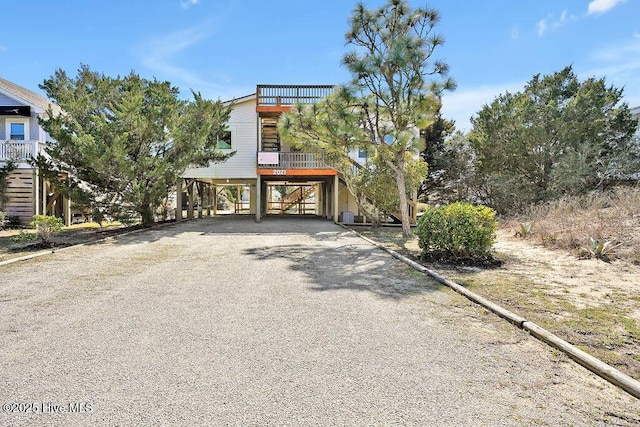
(549,276)
(80,233)
(612,216)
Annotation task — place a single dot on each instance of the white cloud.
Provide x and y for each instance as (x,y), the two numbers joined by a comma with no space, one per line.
(552,22)
(186,4)
(542,27)
(602,6)
(596,6)
(563,18)
(159,55)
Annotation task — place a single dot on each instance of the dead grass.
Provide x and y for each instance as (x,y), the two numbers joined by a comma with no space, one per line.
(570,223)
(75,234)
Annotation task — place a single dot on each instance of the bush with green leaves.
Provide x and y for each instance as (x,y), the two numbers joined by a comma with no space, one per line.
(46,226)
(24,236)
(456,231)
(4,219)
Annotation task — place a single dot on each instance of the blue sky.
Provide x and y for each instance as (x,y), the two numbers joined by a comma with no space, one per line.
(223,48)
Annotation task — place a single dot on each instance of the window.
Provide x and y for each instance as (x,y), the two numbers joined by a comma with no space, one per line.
(362,153)
(17,131)
(224,141)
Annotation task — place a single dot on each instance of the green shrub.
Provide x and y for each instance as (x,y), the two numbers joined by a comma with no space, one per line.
(456,231)
(24,236)
(46,226)
(4,219)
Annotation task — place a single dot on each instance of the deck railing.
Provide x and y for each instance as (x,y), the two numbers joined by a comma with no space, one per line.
(291,160)
(279,95)
(19,150)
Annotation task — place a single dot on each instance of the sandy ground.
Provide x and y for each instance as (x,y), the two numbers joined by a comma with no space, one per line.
(590,303)
(588,282)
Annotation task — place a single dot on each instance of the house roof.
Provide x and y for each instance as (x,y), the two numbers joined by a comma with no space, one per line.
(241,99)
(28,96)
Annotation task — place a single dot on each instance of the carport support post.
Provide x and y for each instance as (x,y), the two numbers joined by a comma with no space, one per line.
(66,206)
(205,199)
(36,191)
(325,199)
(215,200)
(212,199)
(336,182)
(45,184)
(179,199)
(238,208)
(200,187)
(258,201)
(190,199)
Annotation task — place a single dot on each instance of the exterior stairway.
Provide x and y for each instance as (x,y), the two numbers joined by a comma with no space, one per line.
(270,137)
(293,198)
(396,216)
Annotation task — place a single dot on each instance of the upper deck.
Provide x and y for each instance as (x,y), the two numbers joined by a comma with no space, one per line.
(280,98)
(20,151)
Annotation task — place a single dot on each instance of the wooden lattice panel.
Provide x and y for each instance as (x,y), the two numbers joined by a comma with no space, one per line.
(19,195)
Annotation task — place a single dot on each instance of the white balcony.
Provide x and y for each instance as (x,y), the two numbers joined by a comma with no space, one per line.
(291,160)
(20,151)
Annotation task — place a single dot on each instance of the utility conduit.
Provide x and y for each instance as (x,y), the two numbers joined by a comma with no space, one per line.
(593,364)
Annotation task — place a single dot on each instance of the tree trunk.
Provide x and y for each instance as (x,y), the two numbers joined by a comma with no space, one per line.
(361,201)
(146,212)
(402,195)
(374,219)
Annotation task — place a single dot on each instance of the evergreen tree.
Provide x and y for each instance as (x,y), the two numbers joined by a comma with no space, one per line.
(435,154)
(125,141)
(558,136)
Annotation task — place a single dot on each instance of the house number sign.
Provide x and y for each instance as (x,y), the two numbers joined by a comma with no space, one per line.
(279,171)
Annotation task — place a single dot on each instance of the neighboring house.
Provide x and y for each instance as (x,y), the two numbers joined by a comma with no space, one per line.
(635,112)
(275,178)
(21,138)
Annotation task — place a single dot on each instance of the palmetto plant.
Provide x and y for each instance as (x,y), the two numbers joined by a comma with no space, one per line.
(602,249)
(524,230)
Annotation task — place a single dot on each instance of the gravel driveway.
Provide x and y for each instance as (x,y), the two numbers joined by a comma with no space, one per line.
(288,322)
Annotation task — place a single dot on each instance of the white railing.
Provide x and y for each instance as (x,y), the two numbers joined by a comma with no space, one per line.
(289,160)
(19,150)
